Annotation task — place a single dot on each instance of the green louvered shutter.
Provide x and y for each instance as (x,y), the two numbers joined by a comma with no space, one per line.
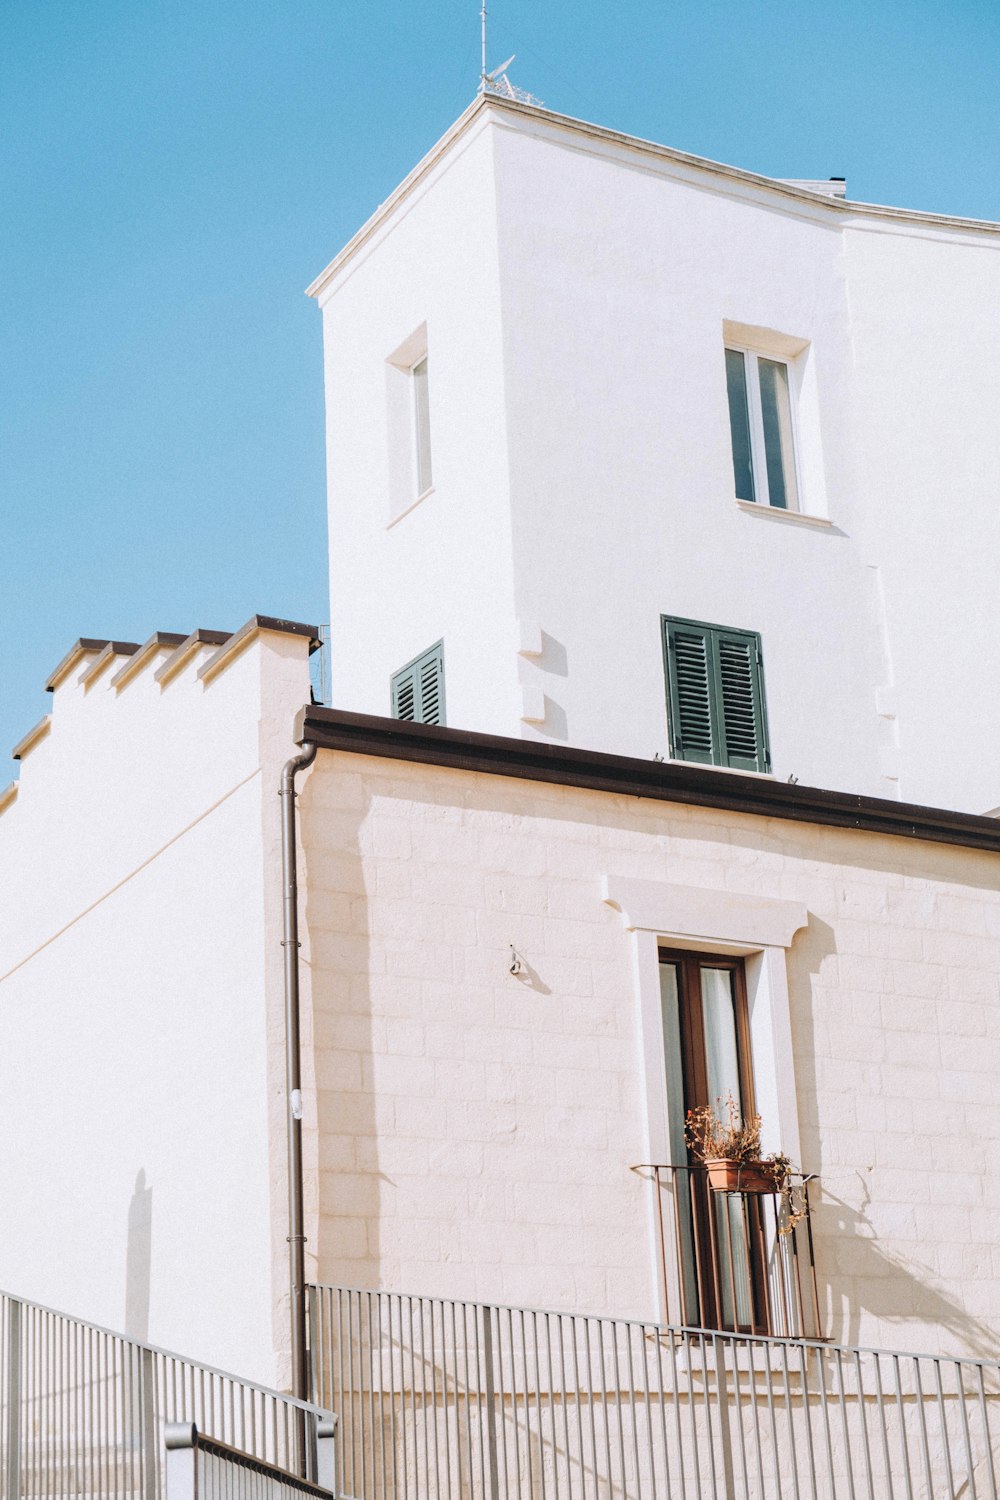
(418,688)
(740,695)
(715,695)
(691,691)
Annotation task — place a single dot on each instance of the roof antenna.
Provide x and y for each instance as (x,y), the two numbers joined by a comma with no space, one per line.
(496,81)
(482,28)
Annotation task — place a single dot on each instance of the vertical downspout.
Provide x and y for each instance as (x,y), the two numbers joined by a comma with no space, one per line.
(293,1067)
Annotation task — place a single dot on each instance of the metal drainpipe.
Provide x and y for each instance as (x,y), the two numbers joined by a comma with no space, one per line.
(293,1066)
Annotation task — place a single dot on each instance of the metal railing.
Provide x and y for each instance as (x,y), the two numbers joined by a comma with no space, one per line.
(739,1260)
(83,1410)
(447,1400)
(199,1468)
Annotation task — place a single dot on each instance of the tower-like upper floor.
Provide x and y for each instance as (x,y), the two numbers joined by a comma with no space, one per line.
(651,455)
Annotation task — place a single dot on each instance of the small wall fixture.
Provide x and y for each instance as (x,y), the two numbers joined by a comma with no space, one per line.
(515,962)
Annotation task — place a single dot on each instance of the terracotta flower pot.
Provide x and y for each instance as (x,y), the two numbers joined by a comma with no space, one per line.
(726,1176)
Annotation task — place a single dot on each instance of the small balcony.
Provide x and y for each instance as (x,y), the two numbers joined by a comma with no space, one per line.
(739,1260)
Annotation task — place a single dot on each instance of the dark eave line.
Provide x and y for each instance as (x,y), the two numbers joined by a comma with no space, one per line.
(666,781)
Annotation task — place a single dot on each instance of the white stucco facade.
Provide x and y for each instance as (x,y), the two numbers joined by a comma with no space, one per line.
(574,291)
(141,1023)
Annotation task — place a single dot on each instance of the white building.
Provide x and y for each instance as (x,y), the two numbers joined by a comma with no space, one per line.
(533,461)
(555,357)
(503,945)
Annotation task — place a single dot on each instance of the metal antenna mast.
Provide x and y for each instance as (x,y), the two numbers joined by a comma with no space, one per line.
(482,28)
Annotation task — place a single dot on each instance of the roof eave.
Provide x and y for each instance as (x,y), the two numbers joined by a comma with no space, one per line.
(734,175)
(665,781)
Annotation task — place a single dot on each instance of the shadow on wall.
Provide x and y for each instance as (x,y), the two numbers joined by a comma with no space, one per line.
(906,1294)
(360,1014)
(344,1239)
(880,1282)
(138,1259)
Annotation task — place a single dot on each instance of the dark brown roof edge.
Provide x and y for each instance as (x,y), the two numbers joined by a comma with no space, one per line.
(209,637)
(290,627)
(79,648)
(667,781)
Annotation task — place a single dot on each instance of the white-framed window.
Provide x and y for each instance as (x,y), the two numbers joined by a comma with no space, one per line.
(735,946)
(408,423)
(762,427)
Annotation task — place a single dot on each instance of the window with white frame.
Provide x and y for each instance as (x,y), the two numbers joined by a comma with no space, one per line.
(408,424)
(761,426)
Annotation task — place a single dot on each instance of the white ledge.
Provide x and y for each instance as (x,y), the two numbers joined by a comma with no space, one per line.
(800,517)
(693,912)
(31,739)
(408,509)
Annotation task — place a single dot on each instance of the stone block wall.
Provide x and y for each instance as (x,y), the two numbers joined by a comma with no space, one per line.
(473,1130)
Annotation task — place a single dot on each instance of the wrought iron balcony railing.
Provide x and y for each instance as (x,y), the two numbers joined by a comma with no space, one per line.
(740,1261)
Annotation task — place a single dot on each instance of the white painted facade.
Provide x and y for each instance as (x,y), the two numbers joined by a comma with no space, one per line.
(141,1013)
(574,290)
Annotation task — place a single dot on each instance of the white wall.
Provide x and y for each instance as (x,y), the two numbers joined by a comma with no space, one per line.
(603,272)
(617,277)
(139,1167)
(925,331)
(443,570)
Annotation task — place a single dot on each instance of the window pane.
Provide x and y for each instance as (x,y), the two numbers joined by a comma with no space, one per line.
(676,1115)
(777,415)
(722,1060)
(739,423)
(722,1057)
(422,423)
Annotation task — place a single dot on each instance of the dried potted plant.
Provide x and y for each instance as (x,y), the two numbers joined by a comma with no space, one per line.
(729,1146)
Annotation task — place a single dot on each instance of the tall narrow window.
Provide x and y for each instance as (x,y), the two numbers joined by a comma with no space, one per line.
(715,695)
(422,425)
(417,690)
(707,1058)
(760,426)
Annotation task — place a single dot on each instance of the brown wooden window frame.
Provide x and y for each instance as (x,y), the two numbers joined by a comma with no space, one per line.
(692,1026)
(701,1201)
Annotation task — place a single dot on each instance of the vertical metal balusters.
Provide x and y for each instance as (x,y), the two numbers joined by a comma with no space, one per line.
(964,1415)
(987,1444)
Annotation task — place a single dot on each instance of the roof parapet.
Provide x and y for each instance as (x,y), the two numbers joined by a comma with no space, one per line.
(157,641)
(188,647)
(249,632)
(104,659)
(81,648)
(32,738)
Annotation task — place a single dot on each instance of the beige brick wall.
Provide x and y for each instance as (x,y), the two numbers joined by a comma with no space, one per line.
(472,1131)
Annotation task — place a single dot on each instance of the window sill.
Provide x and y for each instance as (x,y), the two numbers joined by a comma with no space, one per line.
(678,760)
(797,517)
(407,509)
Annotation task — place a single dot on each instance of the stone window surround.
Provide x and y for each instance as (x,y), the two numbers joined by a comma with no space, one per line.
(760,929)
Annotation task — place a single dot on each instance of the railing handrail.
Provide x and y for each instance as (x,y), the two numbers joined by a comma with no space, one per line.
(183,1359)
(673,1330)
(700,1166)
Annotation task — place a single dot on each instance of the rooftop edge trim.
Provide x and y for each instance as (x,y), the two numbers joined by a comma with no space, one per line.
(187,648)
(32,738)
(83,647)
(111,650)
(248,632)
(8,795)
(666,781)
(787,188)
(157,641)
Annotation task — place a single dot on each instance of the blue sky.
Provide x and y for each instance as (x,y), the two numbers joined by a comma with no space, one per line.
(174,173)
